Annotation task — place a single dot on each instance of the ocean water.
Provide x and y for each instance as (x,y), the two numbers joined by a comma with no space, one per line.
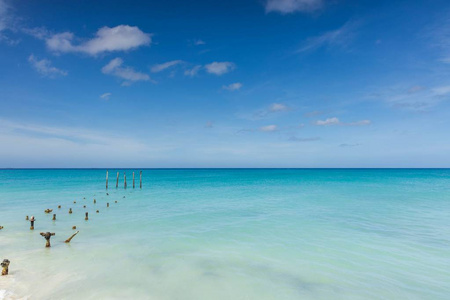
(228,234)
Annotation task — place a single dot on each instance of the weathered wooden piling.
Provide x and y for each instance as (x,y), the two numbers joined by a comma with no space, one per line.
(117,180)
(133,180)
(5,267)
(54,217)
(124,180)
(71,237)
(106,179)
(32,219)
(140,179)
(47,236)
(87,216)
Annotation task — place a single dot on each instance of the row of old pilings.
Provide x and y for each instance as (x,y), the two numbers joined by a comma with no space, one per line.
(124,180)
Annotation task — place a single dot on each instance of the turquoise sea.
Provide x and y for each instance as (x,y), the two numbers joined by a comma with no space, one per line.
(228,234)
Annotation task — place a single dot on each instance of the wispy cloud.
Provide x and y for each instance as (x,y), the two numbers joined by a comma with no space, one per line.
(209,124)
(415,98)
(193,71)
(268,128)
(349,145)
(119,38)
(219,68)
(233,87)
(44,67)
(336,121)
(277,107)
(161,67)
(340,37)
(4,8)
(199,42)
(309,139)
(290,6)
(105,96)
(115,68)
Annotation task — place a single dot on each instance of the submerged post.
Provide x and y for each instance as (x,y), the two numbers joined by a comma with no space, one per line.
(117,181)
(5,266)
(140,175)
(106,179)
(47,236)
(133,180)
(125,180)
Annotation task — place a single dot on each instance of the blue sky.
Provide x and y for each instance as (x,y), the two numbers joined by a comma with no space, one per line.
(249,83)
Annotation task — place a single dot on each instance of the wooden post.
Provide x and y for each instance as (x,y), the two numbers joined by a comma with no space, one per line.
(133,180)
(117,182)
(140,175)
(125,180)
(69,239)
(106,179)
(47,236)
(5,266)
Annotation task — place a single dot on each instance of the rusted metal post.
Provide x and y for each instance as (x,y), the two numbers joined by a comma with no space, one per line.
(47,236)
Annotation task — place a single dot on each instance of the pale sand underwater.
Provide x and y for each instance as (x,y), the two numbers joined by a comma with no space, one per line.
(228,234)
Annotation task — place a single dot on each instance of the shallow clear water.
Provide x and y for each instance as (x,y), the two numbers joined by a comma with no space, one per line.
(228,234)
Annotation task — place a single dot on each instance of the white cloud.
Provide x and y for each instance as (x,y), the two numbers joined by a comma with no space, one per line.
(44,67)
(192,72)
(105,96)
(268,128)
(336,121)
(290,6)
(162,67)
(340,37)
(233,87)
(115,68)
(199,42)
(119,38)
(277,107)
(219,68)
